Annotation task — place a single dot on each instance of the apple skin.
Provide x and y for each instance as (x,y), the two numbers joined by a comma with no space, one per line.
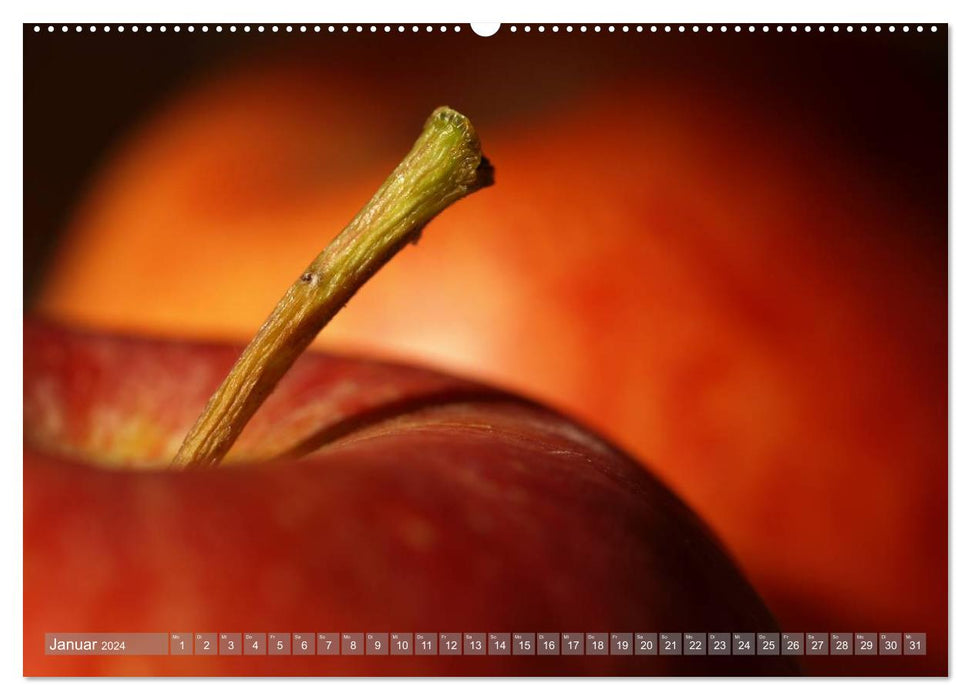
(435,505)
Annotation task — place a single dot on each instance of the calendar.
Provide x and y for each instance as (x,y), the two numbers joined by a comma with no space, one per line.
(486,644)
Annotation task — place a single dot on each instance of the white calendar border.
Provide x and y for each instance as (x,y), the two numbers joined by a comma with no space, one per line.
(11,433)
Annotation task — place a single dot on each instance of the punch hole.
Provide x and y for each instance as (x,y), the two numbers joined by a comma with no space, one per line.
(485,28)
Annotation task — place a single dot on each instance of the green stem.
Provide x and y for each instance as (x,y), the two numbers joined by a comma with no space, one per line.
(445,164)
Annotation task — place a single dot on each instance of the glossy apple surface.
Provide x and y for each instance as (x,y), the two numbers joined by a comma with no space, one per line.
(426,503)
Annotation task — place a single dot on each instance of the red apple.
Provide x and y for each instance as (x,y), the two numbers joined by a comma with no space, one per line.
(428,504)
(718,282)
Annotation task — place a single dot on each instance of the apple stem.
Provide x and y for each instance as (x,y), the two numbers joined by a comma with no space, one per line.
(445,164)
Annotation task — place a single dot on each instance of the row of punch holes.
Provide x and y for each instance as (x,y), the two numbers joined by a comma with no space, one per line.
(484,31)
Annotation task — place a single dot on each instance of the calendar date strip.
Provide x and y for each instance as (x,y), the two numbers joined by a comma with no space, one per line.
(486,644)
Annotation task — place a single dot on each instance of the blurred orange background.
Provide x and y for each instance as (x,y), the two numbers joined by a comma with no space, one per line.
(728,254)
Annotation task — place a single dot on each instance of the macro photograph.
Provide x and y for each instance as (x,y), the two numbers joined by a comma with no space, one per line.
(401,350)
